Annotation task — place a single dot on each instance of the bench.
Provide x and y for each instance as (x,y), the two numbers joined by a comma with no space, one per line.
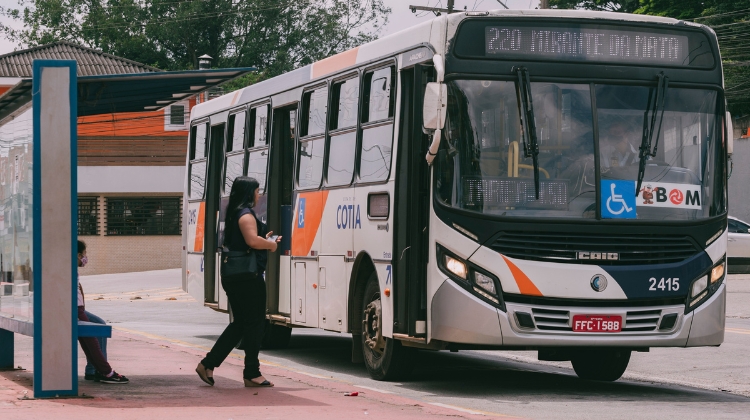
(10,326)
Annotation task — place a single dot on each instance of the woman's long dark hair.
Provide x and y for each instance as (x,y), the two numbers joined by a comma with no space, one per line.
(242,196)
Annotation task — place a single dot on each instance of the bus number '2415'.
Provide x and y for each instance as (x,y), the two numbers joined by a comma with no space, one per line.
(670,284)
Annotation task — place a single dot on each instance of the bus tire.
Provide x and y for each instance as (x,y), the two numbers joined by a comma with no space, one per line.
(386,359)
(275,337)
(601,364)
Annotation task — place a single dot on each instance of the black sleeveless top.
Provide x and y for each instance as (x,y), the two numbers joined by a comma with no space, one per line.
(234,241)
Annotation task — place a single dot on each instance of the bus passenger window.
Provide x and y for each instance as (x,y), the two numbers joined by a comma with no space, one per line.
(234,166)
(378,100)
(256,166)
(345,104)
(315,108)
(198,150)
(375,160)
(341,158)
(310,163)
(259,119)
(237,128)
(197,180)
(197,165)
(343,142)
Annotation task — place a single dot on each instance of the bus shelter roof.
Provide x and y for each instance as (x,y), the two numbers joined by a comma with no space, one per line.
(115,93)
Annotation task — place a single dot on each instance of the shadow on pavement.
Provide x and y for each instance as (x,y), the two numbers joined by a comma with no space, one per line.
(172,391)
(474,375)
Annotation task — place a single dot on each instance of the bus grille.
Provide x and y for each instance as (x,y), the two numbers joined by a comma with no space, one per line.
(564,247)
(550,319)
(642,320)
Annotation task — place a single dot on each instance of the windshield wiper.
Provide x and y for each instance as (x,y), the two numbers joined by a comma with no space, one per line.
(656,112)
(528,125)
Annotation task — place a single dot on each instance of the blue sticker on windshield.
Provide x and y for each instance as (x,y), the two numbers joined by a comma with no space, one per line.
(618,199)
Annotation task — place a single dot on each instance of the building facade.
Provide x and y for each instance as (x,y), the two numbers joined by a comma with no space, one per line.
(739,193)
(131,170)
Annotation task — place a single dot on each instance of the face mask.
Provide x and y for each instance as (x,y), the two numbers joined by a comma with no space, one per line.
(84,261)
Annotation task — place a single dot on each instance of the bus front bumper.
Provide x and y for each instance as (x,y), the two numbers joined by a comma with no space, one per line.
(460,317)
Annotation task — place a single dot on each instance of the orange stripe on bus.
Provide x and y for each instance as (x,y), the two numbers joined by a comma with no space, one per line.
(525,285)
(334,63)
(303,238)
(199,229)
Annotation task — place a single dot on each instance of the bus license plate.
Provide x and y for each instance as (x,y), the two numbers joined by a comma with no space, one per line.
(597,323)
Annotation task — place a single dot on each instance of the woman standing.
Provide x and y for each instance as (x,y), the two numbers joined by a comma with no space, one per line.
(246,293)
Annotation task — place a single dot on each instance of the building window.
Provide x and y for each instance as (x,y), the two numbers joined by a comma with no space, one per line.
(88,216)
(143,216)
(177,115)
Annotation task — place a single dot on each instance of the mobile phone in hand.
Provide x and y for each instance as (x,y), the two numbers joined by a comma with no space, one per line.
(273,237)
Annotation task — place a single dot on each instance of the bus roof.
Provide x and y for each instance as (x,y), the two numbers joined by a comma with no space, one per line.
(432,32)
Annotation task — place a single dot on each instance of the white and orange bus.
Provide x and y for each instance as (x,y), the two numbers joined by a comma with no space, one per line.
(530,180)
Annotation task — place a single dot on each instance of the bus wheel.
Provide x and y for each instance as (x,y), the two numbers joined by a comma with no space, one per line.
(275,336)
(386,359)
(600,364)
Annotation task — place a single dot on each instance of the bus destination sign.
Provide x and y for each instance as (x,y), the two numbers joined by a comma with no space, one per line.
(587,44)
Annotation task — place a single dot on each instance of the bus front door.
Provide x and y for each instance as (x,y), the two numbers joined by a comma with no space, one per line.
(279,190)
(411,208)
(213,194)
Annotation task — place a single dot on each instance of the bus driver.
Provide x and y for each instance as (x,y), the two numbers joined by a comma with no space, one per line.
(617,150)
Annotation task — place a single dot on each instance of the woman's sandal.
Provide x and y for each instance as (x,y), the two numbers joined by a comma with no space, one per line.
(265,384)
(204,374)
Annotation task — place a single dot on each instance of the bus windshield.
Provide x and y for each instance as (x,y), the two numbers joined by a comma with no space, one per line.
(483,167)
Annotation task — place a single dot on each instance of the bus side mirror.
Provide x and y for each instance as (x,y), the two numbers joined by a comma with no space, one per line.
(730,134)
(433,111)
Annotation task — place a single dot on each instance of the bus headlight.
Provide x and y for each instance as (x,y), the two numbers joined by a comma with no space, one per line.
(485,282)
(705,286)
(471,277)
(455,266)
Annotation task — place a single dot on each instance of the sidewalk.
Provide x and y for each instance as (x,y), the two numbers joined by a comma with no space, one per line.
(164,384)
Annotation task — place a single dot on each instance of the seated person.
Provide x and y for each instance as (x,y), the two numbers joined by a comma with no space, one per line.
(90,345)
(615,147)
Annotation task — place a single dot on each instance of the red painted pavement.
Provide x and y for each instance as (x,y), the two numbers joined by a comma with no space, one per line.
(164,386)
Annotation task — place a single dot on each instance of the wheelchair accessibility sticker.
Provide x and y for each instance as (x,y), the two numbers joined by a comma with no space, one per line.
(301,214)
(618,199)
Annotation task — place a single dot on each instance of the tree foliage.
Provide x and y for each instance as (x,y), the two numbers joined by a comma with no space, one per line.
(729,19)
(274,35)
(625,6)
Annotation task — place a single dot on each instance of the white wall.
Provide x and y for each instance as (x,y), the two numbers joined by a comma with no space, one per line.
(739,193)
(131,179)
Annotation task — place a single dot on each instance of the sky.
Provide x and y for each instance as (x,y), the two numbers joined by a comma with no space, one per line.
(401,16)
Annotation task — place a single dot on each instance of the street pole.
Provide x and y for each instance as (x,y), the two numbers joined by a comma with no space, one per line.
(436,10)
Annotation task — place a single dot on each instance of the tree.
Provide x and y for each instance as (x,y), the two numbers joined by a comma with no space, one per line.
(273,35)
(625,6)
(729,19)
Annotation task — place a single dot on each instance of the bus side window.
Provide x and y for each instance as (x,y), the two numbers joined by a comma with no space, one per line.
(378,98)
(314,112)
(198,143)
(343,142)
(237,128)
(312,139)
(259,129)
(257,157)
(234,163)
(377,125)
(197,168)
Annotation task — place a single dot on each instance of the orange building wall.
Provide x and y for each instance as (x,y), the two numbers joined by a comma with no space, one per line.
(129,124)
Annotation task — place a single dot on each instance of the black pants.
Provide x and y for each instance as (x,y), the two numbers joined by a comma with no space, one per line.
(247,298)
